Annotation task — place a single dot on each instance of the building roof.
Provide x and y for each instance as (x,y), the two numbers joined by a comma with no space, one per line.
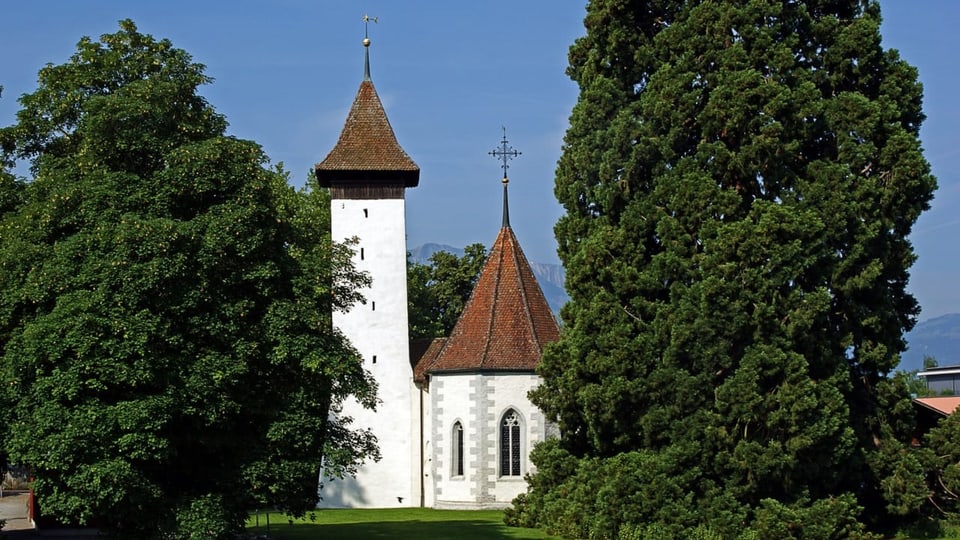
(423,353)
(946,370)
(944,405)
(507,321)
(367,150)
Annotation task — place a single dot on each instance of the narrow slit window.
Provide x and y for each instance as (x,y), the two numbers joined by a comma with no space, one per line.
(373,306)
(457,449)
(365,213)
(374,359)
(361,254)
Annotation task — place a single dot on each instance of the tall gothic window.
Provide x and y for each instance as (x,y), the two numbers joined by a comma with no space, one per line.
(510,444)
(457,449)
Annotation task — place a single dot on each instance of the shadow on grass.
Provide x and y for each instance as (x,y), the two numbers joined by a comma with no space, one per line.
(451,530)
(432,524)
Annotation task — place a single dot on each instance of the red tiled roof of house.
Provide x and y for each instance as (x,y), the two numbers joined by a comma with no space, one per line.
(367,144)
(944,405)
(507,321)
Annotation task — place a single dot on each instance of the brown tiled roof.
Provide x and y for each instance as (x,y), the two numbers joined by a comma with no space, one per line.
(423,353)
(367,149)
(507,320)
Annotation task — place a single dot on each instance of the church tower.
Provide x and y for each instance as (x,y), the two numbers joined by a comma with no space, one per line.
(482,423)
(367,173)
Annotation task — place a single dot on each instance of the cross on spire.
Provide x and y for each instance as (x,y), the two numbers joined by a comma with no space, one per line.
(504,153)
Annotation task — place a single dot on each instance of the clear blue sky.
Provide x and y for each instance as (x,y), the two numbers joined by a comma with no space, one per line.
(450,75)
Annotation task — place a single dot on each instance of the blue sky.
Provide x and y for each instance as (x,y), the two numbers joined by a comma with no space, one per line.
(450,75)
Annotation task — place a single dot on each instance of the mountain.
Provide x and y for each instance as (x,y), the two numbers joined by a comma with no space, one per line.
(549,276)
(938,337)
(422,253)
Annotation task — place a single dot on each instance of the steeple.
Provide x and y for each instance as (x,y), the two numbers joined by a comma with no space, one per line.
(507,321)
(367,154)
(367,173)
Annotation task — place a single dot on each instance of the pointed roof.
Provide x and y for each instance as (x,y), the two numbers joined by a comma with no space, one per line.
(507,321)
(367,150)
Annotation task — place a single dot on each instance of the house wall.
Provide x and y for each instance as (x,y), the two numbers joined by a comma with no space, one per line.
(944,383)
(378,330)
(478,401)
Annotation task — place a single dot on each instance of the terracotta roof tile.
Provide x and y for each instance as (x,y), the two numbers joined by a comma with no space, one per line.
(423,354)
(367,143)
(944,405)
(507,320)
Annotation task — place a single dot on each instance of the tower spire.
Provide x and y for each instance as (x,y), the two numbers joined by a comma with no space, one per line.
(366,45)
(505,153)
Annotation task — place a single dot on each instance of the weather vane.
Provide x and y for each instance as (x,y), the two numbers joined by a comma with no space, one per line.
(366,28)
(504,153)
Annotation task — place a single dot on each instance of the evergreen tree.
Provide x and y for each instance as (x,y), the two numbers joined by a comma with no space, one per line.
(740,179)
(167,354)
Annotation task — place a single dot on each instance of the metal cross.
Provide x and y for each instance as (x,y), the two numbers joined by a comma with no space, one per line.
(504,153)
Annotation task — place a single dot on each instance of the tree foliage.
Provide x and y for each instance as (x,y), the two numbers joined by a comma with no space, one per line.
(438,291)
(168,357)
(740,179)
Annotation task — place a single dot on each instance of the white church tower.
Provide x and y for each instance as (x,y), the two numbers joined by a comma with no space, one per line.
(367,172)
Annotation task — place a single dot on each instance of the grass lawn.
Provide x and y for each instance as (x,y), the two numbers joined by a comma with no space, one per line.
(394,523)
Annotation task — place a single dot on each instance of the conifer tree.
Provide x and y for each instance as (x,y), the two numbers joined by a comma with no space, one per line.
(740,179)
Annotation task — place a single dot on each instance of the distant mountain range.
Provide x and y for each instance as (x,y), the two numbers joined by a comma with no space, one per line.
(938,337)
(549,276)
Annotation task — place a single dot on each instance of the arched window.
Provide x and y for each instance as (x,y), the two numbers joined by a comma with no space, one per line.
(510,444)
(457,449)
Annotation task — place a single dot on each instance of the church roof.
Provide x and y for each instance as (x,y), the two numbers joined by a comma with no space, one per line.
(367,150)
(423,353)
(507,321)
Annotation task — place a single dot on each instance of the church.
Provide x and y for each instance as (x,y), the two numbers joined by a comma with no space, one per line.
(454,424)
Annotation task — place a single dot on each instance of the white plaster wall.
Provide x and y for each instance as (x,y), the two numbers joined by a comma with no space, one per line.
(426,448)
(454,399)
(511,392)
(479,401)
(378,330)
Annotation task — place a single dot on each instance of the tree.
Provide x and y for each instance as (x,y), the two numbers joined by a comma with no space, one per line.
(941,453)
(437,292)
(168,357)
(739,179)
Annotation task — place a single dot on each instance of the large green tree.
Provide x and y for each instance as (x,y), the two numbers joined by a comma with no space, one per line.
(740,179)
(438,290)
(166,348)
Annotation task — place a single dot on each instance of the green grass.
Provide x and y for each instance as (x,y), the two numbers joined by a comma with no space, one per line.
(399,523)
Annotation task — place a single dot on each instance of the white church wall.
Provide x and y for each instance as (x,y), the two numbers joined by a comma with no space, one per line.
(511,393)
(378,330)
(426,447)
(453,399)
(479,401)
